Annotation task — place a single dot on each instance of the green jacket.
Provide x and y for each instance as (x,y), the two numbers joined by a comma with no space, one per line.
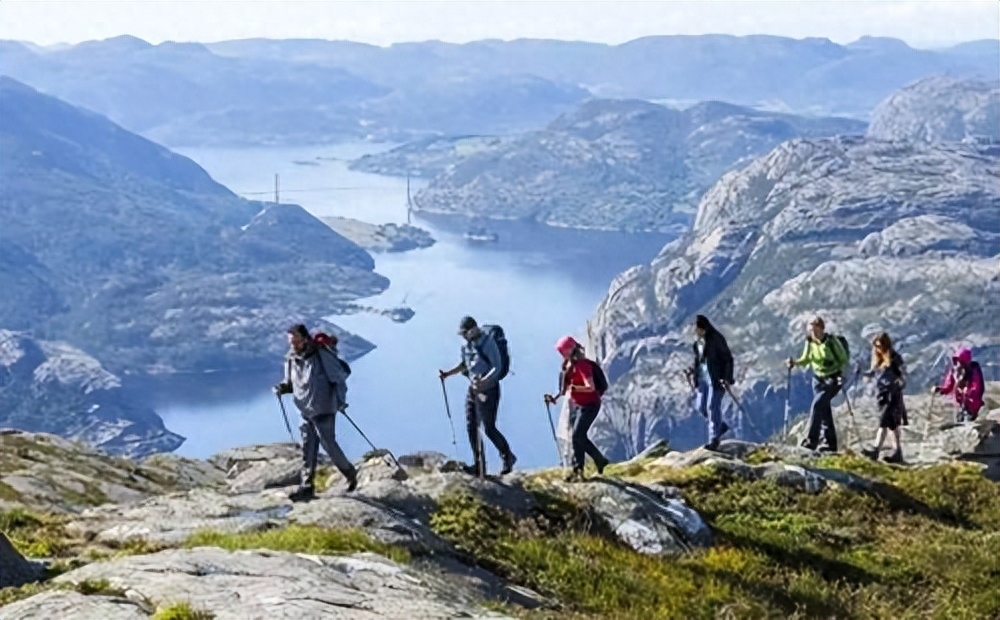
(825,357)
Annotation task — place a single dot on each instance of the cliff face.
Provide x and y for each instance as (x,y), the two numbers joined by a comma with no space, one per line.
(939,109)
(870,235)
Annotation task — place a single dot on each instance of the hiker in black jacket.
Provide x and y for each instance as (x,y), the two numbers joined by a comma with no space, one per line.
(712,373)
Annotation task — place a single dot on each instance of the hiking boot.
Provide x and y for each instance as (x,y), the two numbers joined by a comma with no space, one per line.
(575,476)
(805,443)
(508,464)
(871,453)
(895,457)
(723,429)
(302,494)
(827,449)
(472,470)
(601,465)
(712,445)
(352,481)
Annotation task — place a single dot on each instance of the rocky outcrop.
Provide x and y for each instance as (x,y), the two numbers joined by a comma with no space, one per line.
(939,109)
(871,235)
(427,157)
(381,238)
(615,165)
(14,569)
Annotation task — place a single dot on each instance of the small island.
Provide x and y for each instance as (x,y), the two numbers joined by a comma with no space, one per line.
(381,238)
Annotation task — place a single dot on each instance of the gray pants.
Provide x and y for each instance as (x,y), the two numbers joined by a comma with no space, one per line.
(821,414)
(320,430)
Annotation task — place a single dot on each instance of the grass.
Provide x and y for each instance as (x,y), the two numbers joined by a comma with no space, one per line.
(88,587)
(36,534)
(922,543)
(181,611)
(299,539)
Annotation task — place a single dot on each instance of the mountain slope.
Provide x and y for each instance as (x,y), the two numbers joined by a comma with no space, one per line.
(870,235)
(142,260)
(939,109)
(629,165)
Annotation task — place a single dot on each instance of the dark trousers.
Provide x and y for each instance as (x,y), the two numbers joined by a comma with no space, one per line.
(316,431)
(484,410)
(583,417)
(821,413)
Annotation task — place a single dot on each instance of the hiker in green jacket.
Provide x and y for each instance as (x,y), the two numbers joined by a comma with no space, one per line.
(825,356)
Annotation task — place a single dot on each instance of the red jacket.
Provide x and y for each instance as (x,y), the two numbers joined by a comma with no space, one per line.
(968,393)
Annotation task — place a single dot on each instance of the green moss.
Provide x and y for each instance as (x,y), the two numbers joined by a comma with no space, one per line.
(181,611)
(921,544)
(299,539)
(8,493)
(88,587)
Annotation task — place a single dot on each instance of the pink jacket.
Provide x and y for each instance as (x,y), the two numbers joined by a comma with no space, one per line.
(971,395)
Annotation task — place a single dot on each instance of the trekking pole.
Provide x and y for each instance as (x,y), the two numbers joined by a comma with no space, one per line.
(555,439)
(447,410)
(374,449)
(285,416)
(850,410)
(741,409)
(788,405)
(927,423)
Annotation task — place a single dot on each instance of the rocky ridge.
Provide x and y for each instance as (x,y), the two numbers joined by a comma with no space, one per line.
(939,109)
(403,547)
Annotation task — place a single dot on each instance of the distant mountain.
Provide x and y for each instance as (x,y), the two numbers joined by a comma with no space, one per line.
(260,91)
(871,235)
(136,256)
(427,157)
(611,164)
(939,109)
(55,388)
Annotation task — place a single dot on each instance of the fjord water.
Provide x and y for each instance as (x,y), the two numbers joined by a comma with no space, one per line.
(537,282)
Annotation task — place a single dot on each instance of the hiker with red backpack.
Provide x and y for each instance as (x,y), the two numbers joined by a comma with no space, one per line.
(317,380)
(965,380)
(827,356)
(584,383)
(711,375)
(484,361)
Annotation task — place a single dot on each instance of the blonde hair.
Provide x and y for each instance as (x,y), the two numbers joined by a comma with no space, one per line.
(881,351)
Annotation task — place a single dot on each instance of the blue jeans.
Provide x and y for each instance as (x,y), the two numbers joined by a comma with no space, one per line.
(821,413)
(710,406)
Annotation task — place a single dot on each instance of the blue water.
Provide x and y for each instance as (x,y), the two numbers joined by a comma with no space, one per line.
(539,283)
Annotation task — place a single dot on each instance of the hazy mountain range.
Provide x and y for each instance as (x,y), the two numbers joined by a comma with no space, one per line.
(259,91)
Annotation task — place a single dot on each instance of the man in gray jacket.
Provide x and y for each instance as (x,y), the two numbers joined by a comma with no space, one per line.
(481,364)
(318,385)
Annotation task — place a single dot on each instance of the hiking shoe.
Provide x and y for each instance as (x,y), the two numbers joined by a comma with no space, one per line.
(352,481)
(805,443)
(472,470)
(871,453)
(508,464)
(302,494)
(827,449)
(895,457)
(575,476)
(601,465)
(713,445)
(723,429)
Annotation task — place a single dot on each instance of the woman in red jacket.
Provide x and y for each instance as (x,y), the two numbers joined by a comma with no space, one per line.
(583,382)
(965,381)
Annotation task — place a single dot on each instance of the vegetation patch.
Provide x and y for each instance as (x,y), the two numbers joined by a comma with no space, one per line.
(36,534)
(88,587)
(921,543)
(181,611)
(299,539)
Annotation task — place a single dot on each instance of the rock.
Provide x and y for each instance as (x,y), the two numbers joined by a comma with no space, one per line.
(14,569)
(267,584)
(426,461)
(643,519)
(790,236)
(260,476)
(72,606)
(241,458)
(939,109)
(615,164)
(657,449)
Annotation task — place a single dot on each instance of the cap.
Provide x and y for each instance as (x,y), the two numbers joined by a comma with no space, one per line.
(466,324)
(566,345)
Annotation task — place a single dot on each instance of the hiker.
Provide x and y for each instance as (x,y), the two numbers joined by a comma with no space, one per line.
(317,381)
(826,357)
(584,384)
(711,375)
(965,381)
(482,365)
(890,369)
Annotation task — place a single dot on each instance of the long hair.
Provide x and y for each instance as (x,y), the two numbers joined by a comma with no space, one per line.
(881,351)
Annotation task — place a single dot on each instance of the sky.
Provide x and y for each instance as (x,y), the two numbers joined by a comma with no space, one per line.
(382,22)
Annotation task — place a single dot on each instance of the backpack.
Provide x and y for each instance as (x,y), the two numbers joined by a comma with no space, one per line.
(328,342)
(600,379)
(496,333)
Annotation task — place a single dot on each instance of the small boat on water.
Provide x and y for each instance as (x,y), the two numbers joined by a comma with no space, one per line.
(481,235)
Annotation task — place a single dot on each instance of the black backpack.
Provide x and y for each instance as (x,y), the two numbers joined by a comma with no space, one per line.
(600,379)
(496,333)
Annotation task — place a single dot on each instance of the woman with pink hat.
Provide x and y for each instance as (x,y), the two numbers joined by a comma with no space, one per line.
(584,383)
(965,381)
